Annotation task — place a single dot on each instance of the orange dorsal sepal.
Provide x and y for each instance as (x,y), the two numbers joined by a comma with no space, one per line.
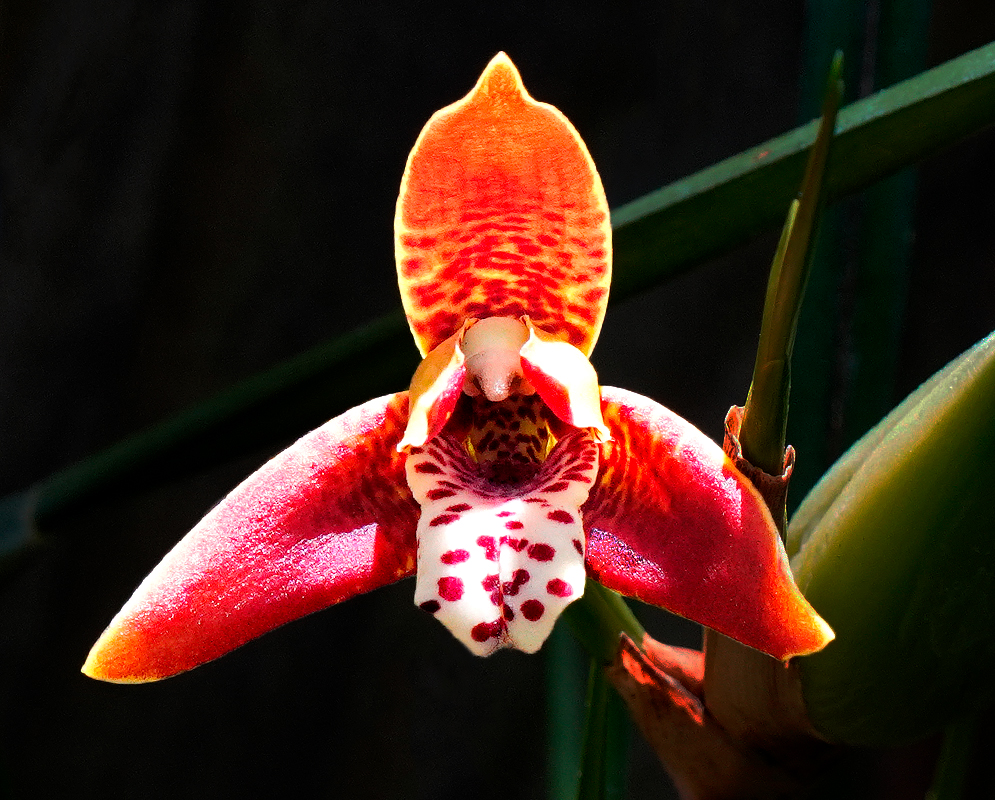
(502,213)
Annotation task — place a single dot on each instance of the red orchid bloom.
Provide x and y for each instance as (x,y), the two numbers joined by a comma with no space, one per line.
(505,476)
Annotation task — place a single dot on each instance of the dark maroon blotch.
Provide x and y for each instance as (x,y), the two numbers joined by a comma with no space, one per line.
(487,630)
(518,580)
(541,552)
(532,610)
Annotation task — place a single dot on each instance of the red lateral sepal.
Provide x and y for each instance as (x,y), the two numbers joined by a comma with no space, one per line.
(328,518)
(672,522)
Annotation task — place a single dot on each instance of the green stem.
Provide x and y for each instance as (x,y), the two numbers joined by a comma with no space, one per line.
(763,432)
(605,738)
(599,618)
(565,675)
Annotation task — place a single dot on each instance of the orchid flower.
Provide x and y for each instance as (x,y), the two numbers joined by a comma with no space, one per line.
(505,477)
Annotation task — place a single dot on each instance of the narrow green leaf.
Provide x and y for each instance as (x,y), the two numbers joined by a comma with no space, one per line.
(272,407)
(670,230)
(17,527)
(894,549)
(606,730)
(765,417)
(829,25)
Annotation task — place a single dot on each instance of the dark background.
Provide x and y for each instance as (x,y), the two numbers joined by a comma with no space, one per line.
(192,191)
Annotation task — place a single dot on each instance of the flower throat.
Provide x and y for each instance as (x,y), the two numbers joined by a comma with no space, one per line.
(509,439)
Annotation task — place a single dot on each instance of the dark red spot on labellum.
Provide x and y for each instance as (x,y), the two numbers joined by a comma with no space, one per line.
(559,486)
(514,525)
(450,588)
(489,545)
(518,580)
(541,552)
(431,606)
(439,494)
(490,583)
(559,588)
(443,519)
(459,507)
(559,515)
(454,556)
(428,468)
(578,546)
(532,610)
(487,630)
(515,544)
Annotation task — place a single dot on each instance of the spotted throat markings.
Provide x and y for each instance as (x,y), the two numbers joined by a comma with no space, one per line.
(496,563)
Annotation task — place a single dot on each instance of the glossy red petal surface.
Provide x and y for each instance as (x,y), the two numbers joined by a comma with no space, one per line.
(328,518)
(673,523)
(502,213)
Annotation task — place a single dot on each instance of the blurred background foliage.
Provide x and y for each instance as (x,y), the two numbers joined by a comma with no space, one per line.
(191,192)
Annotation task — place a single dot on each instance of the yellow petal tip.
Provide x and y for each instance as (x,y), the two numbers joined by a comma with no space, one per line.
(501,76)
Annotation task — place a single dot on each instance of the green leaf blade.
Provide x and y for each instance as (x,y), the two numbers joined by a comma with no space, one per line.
(894,549)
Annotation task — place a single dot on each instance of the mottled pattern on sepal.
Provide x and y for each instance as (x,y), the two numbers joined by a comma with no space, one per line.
(671,522)
(497,563)
(502,213)
(328,518)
